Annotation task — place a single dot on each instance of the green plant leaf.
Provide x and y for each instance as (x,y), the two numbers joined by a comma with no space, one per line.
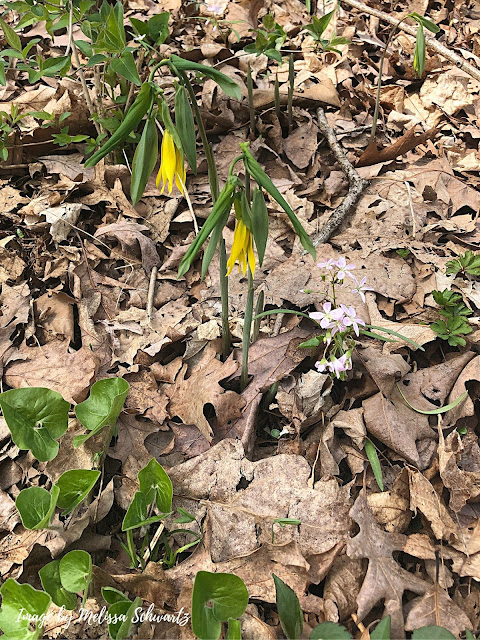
(289,610)
(372,456)
(469,635)
(145,159)
(102,407)
(234,631)
(157,27)
(319,25)
(156,485)
(435,412)
(11,36)
(36,506)
(230,87)
(36,417)
(419,55)
(259,223)
(112,595)
(76,571)
(432,633)
(216,598)
(261,178)
(398,335)
(125,66)
(136,515)
(330,631)
(428,24)
(74,486)
(25,600)
(125,611)
(50,578)
(382,630)
(186,126)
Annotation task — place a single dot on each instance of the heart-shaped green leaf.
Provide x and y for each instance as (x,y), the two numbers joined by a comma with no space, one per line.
(156,485)
(124,610)
(36,417)
(19,601)
(216,598)
(76,571)
(36,506)
(102,407)
(112,595)
(74,486)
(50,577)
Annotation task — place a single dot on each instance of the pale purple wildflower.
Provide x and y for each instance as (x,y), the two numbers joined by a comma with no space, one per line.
(216,8)
(344,269)
(327,264)
(350,318)
(336,366)
(361,288)
(328,318)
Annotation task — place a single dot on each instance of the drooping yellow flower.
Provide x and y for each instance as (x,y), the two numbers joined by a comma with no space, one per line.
(171,165)
(242,250)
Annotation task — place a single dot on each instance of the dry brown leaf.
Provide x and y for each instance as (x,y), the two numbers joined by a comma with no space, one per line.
(130,236)
(424,498)
(54,367)
(11,266)
(391,509)
(189,396)
(301,145)
(463,485)
(55,314)
(9,516)
(436,608)
(342,586)
(385,579)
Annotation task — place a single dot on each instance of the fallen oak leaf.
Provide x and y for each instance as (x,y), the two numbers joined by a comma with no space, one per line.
(407,142)
(129,234)
(385,579)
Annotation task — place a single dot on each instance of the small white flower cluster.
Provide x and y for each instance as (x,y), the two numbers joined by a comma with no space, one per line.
(339,321)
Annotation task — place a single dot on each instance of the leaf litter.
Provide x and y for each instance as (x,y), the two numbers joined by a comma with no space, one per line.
(76,267)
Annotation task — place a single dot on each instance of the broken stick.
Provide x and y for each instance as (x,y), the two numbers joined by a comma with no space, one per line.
(355,182)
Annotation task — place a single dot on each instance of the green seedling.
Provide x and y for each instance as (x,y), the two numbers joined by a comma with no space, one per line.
(216,598)
(121,611)
(455,313)
(101,408)
(37,418)
(23,611)
(317,29)
(268,40)
(372,456)
(469,264)
(284,522)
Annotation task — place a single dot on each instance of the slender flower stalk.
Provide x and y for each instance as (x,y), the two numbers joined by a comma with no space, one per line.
(247,326)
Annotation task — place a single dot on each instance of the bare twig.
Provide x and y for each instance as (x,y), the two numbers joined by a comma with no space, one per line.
(151,293)
(356,183)
(86,92)
(430,40)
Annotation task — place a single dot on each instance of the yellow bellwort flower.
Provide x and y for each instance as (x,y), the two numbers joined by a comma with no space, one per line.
(171,165)
(242,250)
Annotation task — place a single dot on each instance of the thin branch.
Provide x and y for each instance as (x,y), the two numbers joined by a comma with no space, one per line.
(151,293)
(356,183)
(430,40)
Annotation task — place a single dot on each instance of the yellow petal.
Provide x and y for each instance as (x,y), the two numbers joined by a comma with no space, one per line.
(179,171)
(168,161)
(251,255)
(238,246)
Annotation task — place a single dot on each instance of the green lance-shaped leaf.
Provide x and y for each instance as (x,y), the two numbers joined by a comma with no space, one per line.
(259,223)
(36,506)
(382,630)
(122,614)
(216,598)
(136,515)
(169,126)
(131,121)
(372,456)
(11,36)
(50,578)
(145,159)
(19,601)
(102,407)
(428,24)
(222,205)
(213,242)
(261,178)
(156,485)
(74,486)
(125,66)
(419,56)
(36,417)
(230,87)
(434,412)
(289,610)
(186,126)
(76,571)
